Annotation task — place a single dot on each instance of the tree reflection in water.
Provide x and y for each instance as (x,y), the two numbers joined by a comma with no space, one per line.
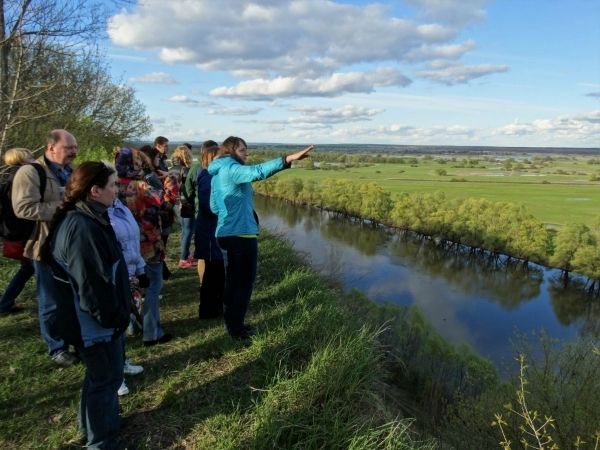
(572,305)
(508,284)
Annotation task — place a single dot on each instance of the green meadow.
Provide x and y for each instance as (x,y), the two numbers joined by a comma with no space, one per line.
(557,189)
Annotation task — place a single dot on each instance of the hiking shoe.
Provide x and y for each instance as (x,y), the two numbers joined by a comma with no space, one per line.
(123,390)
(185,264)
(132,369)
(192,260)
(64,358)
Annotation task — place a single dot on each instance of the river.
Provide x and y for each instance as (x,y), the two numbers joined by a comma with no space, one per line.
(467,299)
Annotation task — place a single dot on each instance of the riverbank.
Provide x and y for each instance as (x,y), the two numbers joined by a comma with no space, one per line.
(325,370)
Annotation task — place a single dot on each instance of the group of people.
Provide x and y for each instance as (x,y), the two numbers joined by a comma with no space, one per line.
(98,247)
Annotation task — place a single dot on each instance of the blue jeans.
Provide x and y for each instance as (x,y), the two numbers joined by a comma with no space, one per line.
(150,309)
(187,232)
(46,293)
(98,414)
(16,285)
(239,280)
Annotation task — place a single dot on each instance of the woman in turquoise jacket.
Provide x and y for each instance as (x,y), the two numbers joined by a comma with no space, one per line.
(231,199)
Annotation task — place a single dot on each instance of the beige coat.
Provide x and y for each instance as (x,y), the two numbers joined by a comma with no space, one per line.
(27,204)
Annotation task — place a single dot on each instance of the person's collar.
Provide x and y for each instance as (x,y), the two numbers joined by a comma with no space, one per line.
(95,209)
(51,163)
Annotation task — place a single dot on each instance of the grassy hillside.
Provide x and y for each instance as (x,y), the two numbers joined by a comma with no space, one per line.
(312,377)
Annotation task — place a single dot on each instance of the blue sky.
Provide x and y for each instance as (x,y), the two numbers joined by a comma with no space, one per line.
(442,72)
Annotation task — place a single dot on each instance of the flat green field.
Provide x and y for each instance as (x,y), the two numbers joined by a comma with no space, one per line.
(557,191)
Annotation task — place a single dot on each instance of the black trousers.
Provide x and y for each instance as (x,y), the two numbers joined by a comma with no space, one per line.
(241,271)
(212,290)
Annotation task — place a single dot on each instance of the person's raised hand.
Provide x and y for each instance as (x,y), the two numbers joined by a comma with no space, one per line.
(299,155)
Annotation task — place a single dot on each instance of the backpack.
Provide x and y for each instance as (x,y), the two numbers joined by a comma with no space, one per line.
(188,205)
(13,228)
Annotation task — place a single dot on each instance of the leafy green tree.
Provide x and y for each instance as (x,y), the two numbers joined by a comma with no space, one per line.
(566,243)
(376,203)
(50,76)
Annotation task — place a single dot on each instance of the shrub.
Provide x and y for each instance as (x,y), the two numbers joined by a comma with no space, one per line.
(557,395)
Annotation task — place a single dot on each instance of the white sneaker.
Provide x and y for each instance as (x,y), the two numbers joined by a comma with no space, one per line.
(132,369)
(123,390)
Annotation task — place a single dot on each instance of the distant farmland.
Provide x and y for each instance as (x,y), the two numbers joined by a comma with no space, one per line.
(557,189)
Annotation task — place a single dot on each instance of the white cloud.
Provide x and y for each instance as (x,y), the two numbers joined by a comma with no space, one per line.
(517,129)
(449,51)
(184,99)
(158,120)
(235,111)
(450,73)
(422,132)
(460,12)
(133,58)
(583,127)
(409,133)
(154,78)
(344,114)
(291,38)
(330,86)
(592,117)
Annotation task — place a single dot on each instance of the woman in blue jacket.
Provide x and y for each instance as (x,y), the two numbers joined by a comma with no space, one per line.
(231,199)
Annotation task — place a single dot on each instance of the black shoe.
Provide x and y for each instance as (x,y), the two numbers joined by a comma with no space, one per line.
(244,336)
(249,329)
(166,273)
(14,309)
(163,339)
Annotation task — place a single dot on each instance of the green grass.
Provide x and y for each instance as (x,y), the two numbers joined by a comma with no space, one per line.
(312,377)
(555,199)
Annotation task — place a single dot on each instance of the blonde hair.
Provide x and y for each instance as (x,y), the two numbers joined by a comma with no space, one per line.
(18,156)
(182,152)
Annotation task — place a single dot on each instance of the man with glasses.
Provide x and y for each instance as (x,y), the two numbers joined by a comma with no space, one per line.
(29,203)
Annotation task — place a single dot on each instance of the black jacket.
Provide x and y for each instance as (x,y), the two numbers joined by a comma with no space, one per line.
(86,247)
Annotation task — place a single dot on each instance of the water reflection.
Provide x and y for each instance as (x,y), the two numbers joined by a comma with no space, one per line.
(468,298)
(472,273)
(573,309)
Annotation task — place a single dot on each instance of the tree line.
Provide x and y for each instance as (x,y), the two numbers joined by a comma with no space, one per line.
(53,76)
(499,228)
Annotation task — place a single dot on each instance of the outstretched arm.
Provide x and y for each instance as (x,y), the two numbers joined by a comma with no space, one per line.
(299,155)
